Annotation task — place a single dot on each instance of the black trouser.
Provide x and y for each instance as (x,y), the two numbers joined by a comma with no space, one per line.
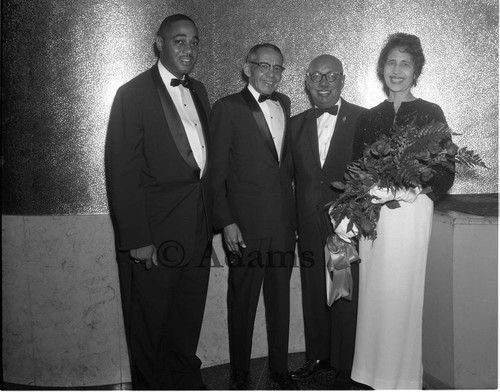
(329,331)
(163,311)
(266,262)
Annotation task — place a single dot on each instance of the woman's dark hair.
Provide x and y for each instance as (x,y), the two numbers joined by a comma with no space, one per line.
(407,43)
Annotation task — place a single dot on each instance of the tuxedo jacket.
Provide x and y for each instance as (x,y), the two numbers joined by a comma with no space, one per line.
(313,188)
(154,186)
(252,187)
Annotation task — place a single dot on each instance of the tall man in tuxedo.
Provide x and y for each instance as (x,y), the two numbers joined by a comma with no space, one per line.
(157,164)
(254,206)
(322,139)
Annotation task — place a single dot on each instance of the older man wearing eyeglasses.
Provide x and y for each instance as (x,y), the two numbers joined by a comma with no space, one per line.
(322,139)
(254,206)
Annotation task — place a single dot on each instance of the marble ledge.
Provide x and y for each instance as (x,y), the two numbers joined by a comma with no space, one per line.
(461,218)
(468,209)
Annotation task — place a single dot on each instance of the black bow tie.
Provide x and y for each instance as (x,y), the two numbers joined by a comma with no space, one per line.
(186,82)
(333,111)
(265,97)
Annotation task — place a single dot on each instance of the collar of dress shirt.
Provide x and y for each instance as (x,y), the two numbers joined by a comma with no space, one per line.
(255,93)
(166,75)
(339,102)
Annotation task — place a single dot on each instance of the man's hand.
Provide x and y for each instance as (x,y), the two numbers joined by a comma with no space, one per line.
(233,238)
(146,255)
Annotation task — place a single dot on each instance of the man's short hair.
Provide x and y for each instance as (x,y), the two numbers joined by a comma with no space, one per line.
(171,19)
(253,50)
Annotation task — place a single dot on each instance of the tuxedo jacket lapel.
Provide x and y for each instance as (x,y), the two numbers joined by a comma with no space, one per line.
(174,121)
(204,124)
(284,149)
(339,150)
(311,126)
(260,120)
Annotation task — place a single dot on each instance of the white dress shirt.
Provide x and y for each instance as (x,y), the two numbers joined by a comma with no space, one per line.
(186,108)
(275,118)
(326,125)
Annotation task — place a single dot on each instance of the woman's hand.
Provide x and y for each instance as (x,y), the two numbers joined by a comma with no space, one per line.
(384,195)
(341,230)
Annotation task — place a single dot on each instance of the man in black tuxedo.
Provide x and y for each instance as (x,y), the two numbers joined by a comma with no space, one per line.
(158,161)
(254,206)
(322,139)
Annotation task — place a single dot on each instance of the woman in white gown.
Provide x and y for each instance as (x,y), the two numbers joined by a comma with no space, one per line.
(388,350)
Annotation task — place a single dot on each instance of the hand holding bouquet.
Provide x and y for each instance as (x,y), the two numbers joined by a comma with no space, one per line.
(394,168)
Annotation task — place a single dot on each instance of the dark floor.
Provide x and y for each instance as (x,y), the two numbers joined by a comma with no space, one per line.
(217,378)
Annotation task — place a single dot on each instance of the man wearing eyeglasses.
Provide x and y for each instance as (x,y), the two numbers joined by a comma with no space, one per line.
(322,140)
(254,206)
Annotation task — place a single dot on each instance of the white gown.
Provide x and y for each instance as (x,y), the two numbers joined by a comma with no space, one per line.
(388,350)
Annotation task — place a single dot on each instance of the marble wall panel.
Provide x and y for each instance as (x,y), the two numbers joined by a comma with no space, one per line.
(62,325)
(460,320)
(17,326)
(62,319)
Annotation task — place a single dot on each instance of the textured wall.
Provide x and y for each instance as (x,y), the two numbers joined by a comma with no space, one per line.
(63,61)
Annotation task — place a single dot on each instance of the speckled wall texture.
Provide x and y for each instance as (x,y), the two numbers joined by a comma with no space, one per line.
(63,61)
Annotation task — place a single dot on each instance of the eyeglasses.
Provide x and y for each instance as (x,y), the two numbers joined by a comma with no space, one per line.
(265,67)
(330,76)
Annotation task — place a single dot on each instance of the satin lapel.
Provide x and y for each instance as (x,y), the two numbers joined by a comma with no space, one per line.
(285,142)
(341,142)
(174,121)
(311,125)
(202,114)
(261,121)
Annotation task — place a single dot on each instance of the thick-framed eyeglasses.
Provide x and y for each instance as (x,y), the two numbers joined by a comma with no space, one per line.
(330,76)
(265,67)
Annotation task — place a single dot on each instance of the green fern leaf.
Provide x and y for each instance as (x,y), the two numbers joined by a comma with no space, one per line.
(469,158)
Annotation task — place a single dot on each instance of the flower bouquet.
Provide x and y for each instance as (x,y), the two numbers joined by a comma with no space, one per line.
(399,163)
(408,158)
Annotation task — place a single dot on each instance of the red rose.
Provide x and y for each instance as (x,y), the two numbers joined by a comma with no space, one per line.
(451,148)
(338,185)
(366,226)
(434,148)
(425,155)
(380,147)
(426,174)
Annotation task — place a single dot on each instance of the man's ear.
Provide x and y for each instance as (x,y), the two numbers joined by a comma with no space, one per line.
(159,43)
(246,69)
